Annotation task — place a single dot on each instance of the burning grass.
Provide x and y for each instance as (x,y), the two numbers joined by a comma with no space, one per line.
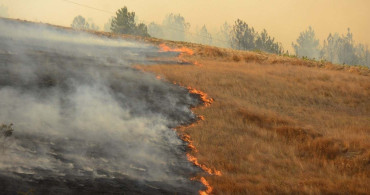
(277,124)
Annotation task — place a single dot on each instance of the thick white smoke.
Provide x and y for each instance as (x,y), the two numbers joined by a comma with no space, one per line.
(84,120)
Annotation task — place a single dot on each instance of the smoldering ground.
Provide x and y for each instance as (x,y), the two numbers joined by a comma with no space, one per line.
(85,121)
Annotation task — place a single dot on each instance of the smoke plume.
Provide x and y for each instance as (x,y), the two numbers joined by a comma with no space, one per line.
(84,120)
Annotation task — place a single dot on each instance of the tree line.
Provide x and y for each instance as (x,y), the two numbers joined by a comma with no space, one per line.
(174,27)
(340,49)
(239,36)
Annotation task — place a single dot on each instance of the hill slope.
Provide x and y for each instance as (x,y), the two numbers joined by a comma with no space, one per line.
(278,124)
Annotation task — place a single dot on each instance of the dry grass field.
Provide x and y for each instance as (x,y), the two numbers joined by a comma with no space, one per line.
(277,124)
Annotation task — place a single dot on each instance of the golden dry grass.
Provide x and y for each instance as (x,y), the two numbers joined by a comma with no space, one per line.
(278,124)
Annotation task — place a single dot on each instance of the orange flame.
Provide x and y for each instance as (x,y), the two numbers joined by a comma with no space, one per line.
(196,163)
(205,183)
(194,160)
(203,96)
(216,172)
(164,48)
(187,139)
(183,51)
(207,101)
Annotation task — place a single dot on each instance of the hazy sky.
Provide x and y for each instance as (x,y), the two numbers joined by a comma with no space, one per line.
(283,19)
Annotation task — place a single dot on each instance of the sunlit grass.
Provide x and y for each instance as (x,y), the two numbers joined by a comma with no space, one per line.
(278,124)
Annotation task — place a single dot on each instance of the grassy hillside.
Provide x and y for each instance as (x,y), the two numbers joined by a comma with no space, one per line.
(277,124)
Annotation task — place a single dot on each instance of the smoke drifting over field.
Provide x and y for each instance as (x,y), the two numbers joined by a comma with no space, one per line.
(84,120)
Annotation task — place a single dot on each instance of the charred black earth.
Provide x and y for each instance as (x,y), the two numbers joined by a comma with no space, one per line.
(85,121)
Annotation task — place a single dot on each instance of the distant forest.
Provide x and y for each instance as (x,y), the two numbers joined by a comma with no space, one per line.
(337,48)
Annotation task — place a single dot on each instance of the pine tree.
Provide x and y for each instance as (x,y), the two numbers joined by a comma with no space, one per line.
(124,23)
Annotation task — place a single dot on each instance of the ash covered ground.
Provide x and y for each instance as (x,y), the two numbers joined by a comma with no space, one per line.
(85,121)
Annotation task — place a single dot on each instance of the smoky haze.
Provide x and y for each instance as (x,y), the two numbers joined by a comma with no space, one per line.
(85,121)
(283,19)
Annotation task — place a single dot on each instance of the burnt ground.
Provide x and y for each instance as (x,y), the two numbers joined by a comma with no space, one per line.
(49,67)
